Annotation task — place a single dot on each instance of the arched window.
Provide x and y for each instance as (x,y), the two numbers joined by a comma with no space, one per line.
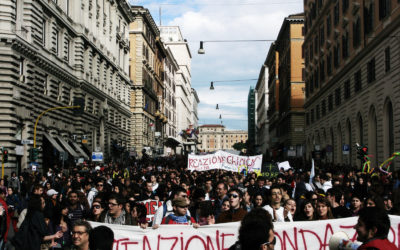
(339,144)
(388,129)
(349,141)
(373,137)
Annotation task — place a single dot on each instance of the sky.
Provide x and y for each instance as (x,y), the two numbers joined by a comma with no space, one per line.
(209,20)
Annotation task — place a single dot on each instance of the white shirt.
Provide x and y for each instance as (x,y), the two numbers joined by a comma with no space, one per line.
(327,185)
(279,213)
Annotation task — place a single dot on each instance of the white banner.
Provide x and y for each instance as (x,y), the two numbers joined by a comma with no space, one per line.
(289,235)
(225,161)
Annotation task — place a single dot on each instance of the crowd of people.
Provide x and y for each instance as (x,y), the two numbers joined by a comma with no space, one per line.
(52,210)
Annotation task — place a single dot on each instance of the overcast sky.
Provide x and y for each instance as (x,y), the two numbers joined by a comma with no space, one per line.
(202,20)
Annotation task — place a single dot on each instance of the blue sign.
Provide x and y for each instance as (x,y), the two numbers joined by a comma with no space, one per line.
(97,156)
(346,149)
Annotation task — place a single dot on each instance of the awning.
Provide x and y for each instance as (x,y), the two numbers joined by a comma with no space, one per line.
(77,147)
(171,142)
(67,147)
(53,142)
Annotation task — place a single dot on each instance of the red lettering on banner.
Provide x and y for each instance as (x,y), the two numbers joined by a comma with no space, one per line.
(285,236)
(168,238)
(326,239)
(116,242)
(214,160)
(311,232)
(191,162)
(195,237)
(181,241)
(394,235)
(129,243)
(229,161)
(223,235)
(146,240)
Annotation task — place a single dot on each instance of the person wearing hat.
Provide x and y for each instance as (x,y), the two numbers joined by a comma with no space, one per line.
(180,206)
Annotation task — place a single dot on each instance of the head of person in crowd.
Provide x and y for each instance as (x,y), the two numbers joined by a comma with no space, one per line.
(115,205)
(388,203)
(80,234)
(374,201)
(372,223)
(256,231)
(38,189)
(138,213)
(52,194)
(73,198)
(235,197)
(308,210)
(208,185)
(180,206)
(100,185)
(97,210)
(225,206)
(258,200)
(101,238)
(206,213)
(275,196)
(36,204)
(290,205)
(222,190)
(356,203)
(324,209)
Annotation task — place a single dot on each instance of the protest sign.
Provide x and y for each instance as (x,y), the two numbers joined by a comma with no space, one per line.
(307,235)
(225,161)
(285,165)
(151,207)
(269,170)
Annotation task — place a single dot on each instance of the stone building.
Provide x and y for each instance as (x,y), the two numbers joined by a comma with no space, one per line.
(213,137)
(147,71)
(351,53)
(52,53)
(286,83)
(262,128)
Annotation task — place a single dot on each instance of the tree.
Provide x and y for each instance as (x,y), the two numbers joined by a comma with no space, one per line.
(239,146)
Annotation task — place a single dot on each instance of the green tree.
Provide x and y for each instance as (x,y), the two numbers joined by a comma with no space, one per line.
(239,146)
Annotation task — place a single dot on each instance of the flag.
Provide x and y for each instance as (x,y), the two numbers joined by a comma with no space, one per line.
(312,171)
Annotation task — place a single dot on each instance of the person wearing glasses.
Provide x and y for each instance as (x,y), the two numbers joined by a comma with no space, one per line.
(256,231)
(80,235)
(94,191)
(116,213)
(275,209)
(96,211)
(236,212)
(180,206)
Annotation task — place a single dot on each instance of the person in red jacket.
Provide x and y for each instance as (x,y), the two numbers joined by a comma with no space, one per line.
(5,219)
(372,228)
(179,217)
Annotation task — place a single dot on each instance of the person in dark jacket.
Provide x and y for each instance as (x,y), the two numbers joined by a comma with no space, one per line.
(33,230)
(236,212)
(116,213)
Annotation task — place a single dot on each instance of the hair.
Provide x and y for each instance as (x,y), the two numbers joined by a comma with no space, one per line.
(303,205)
(237,190)
(118,198)
(326,202)
(375,217)
(35,204)
(176,191)
(223,183)
(83,223)
(378,200)
(101,238)
(254,228)
(206,208)
(140,209)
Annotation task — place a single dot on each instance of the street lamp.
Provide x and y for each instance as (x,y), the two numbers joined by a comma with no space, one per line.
(236,80)
(217,106)
(201,50)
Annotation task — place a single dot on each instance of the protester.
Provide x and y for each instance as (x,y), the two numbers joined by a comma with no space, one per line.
(101,238)
(256,231)
(275,209)
(307,211)
(236,212)
(97,211)
(372,229)
(180,206)
(116,213)
(324,209)
(290,205)
(80,235)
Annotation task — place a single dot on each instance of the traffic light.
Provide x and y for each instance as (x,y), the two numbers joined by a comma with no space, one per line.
(5,156)
(33,154)
(79,101)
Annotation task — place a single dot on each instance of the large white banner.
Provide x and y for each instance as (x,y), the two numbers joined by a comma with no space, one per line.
(289,235)
(226,161)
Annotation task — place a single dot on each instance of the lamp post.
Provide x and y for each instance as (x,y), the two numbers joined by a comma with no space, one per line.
(201,50)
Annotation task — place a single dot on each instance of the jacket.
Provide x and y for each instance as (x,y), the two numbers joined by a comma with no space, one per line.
(383,244)
(231,216)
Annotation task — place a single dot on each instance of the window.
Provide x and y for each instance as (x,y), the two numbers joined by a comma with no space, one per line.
(345,45)
(347,89)
(321,36)
(371,70)
(387,59)
(312,115)
(67,49)
(330,102)
(329,63)
(57,42)
(357,81)
(317,112)
(316,79)
(322,71)
(368,17)
(345,5)
(384,8)
(337,97)
(44,32)
(21,66)
(323,107)
(356,33)
(336,56)
(336,14)
(328,26)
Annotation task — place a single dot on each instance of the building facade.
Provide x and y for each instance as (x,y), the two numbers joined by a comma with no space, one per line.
(251,121)
(352,77)
(213,137)
(290,124)
(147,71)
(54,53)
(173,40)
(262,128)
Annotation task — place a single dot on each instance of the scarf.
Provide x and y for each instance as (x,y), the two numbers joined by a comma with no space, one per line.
(179,219)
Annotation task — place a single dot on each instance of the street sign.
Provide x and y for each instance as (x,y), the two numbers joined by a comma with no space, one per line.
(97,156)
(26,141)
(19,150)
(346,149)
